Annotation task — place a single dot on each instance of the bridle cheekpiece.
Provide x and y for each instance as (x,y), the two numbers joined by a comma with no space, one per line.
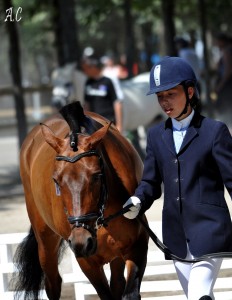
(80,221)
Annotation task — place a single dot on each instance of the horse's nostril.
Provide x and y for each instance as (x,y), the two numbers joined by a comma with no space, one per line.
(89,245)
(70,243)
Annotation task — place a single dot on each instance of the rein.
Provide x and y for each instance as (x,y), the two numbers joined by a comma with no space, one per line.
(170,255)
(164,248)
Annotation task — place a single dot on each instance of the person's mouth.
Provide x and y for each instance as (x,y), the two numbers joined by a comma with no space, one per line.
(168,110)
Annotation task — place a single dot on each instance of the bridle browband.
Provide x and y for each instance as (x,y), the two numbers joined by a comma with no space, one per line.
(79,221)
(78,156)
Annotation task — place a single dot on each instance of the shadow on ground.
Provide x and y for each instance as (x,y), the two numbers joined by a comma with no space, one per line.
(10,183)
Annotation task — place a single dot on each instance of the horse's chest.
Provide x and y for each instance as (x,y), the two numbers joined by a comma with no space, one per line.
(110,247)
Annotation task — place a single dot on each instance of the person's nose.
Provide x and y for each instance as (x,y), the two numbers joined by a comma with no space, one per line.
(163,100)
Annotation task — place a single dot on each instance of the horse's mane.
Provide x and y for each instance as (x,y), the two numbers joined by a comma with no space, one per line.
(73,114)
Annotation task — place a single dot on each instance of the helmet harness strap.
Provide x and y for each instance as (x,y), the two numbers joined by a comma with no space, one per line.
(187,103)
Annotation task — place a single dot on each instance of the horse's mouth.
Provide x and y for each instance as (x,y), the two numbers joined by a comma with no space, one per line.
(85,250)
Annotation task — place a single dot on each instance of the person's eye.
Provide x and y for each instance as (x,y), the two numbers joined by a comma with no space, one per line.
(172,94)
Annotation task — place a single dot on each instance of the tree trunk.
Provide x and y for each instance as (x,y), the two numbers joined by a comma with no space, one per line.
(168,7)
(148,44)
(65,27)
(203,26)
(130,39)
(15,70)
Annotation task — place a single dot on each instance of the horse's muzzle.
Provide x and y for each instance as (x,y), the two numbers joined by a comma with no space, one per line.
(82,242)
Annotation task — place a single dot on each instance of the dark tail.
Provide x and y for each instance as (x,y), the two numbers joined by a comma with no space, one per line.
(30,276)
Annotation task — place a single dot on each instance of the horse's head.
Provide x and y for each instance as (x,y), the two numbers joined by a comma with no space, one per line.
(80,179)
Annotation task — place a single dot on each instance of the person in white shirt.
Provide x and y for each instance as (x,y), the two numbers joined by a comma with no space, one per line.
(110,70)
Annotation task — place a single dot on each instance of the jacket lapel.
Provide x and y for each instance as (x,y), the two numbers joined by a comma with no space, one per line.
(191,133)
(167,136)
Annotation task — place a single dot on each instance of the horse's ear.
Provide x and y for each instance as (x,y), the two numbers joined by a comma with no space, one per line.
(50,137)
(97,136)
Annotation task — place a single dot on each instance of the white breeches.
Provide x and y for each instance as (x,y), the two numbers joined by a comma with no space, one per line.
(198,279)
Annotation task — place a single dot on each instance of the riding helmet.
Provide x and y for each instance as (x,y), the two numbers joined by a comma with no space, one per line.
(170,72)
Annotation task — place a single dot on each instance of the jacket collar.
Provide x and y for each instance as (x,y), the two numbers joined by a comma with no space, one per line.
(196,121)
(192,132)
(183,124)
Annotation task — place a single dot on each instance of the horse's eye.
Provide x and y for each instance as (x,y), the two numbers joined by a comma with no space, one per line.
(97,176)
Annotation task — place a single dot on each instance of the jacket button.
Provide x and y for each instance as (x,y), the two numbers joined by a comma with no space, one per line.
(176,180)
(177,198)
(175,161)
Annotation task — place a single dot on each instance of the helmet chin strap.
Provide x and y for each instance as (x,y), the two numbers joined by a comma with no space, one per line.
(184,111)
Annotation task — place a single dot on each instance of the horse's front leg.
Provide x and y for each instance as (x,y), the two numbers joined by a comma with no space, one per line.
(96,275)
(132,290)
(135,265)
(117,278)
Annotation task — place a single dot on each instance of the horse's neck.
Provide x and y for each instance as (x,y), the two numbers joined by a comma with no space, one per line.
(115,187)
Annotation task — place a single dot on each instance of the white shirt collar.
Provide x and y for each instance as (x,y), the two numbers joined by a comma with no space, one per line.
(183,124)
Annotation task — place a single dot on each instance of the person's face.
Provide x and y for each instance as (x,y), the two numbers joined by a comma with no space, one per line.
(173,101)
(90,70)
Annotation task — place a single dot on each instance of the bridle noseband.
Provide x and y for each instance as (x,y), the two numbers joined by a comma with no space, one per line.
(79,221)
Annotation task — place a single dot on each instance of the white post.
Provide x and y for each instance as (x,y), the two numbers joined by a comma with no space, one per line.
(36,113)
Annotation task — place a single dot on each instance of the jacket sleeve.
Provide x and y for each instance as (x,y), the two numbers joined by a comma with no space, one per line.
(149,188)
(222,152)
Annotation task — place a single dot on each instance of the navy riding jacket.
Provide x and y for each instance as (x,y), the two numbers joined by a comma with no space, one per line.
(194,209)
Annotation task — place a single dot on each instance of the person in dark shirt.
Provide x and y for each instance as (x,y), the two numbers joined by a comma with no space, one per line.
(99,93)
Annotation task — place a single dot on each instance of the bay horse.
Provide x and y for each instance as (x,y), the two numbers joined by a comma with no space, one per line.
(77,170)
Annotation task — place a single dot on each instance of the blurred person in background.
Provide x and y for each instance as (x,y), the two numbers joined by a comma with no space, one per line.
(112,70)
(188,53)
(99,92)
(223,84)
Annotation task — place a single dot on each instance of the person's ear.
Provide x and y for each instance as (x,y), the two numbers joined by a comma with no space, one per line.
(190,92)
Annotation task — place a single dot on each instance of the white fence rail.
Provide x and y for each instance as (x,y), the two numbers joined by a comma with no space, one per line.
(8,243)
(159,282)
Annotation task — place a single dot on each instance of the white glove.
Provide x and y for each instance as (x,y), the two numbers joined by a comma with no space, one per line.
(133,210)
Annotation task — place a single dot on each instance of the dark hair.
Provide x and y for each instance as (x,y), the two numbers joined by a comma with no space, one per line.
(92,60)
(195,100)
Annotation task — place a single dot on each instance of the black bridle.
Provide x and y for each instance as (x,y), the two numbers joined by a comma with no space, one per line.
(80,221)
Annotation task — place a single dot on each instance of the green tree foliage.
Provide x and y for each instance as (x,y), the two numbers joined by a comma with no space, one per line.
(133,27)
(36,25)
(101,24)
(219,15)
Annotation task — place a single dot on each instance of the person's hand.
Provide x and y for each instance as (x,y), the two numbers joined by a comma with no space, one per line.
(134,209)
